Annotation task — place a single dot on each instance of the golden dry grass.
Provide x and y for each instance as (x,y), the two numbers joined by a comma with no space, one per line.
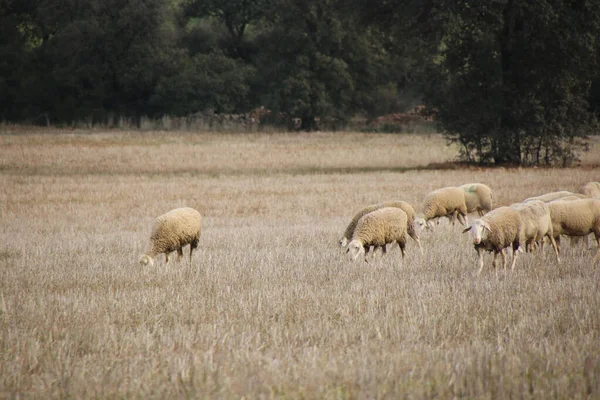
(271,307)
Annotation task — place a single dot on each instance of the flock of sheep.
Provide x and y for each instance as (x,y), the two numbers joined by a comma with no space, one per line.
(520,225)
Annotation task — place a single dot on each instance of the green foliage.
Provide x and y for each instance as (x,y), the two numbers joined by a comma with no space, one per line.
(512,82)
(314,63)
(204,81)
(235,15)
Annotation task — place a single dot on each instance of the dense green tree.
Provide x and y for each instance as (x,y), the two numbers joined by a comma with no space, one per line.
(303,70)
(314,62)
(204,81)
(12,57)
(237,16)
(88,58)
(511,82)
(512,79)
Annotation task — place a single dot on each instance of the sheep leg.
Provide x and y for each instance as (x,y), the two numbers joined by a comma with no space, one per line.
(462,218)
(374,251)
(514,258)
(367,249)
(193,246)
(179,254)
(451,217)
(480,259)
(554,246)
(416,239)
(166,258)
(597,257)
(587,242)
(402,248)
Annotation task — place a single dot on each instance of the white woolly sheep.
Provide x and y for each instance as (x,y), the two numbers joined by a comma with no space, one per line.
(478,198)
(575,218)
(535,224)
(379,228)
(404,206)
(548,197)
(172,231)
(590,189)
(446,202)
(496,231)
(584,240)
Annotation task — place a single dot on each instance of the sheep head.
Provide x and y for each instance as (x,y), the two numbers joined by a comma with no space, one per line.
(477,229)
(146,259)
(355,249)
(421,223)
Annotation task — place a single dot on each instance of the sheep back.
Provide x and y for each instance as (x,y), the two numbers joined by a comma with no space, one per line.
(175,229)
(575,217)
(505,227)
(590,189)
(478,197)
(443,202)
(404,206)
(535,220)
(382,226)
(548,197)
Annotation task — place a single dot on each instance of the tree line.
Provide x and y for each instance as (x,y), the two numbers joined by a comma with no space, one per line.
(510,81)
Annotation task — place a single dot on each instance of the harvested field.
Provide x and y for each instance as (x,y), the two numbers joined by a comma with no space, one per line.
(271,307)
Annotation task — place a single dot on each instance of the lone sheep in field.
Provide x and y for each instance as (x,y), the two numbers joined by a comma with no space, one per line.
(445,202)
(172,231)
(576,218)
(496,231)
(535,224)
(379,228)
(590,189)
(404,206)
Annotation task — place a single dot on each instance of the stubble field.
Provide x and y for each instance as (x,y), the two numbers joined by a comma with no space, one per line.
(271,307)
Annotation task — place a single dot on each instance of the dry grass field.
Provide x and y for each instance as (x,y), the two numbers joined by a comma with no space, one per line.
(271,307)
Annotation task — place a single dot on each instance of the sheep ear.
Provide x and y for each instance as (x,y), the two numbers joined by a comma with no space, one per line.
(467,229)
(486,225)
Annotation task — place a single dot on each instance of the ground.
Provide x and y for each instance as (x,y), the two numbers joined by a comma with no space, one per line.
(271,307)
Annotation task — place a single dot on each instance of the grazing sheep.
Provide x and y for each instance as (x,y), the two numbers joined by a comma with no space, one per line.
(379,228)
(172,231)
(535,224)
(445,202)
(496,231)
(404,206)
(584,240)
(575,218)
(590,189)
(478,197)
(548,197)
(571,197)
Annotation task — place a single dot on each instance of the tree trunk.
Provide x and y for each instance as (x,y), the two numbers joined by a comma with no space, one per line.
(308,123)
